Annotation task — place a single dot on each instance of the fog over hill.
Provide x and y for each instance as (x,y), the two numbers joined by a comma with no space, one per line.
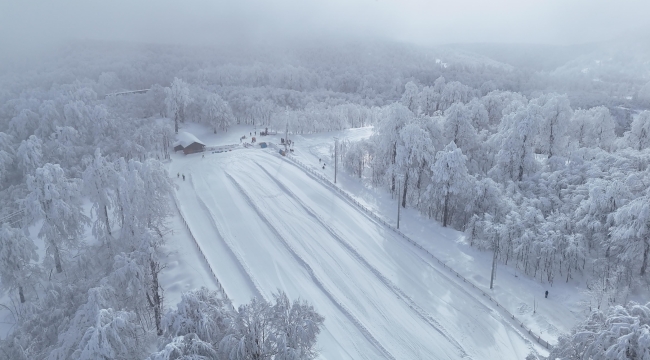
(513,137)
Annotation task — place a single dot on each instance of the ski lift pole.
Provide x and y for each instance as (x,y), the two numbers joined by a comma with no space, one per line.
(336,157)
(286,137)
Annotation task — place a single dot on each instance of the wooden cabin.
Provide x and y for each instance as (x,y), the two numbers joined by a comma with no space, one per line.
(188,143)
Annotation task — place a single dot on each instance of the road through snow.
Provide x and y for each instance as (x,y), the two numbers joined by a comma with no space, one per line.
(381,297)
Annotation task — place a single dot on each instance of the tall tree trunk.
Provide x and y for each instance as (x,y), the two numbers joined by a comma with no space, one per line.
(57,258)
(406,181)
(646,250)
(108,224)
(155,301)
(445,213)
(20,293)
(392,186)
(550,143)
(521,162)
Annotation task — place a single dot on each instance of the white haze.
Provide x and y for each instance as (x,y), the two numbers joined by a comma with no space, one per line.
(36,24)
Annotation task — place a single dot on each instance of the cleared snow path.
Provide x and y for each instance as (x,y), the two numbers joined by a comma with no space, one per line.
(228,270)
(423,314)
(273,226)
(302,262)
(266,258)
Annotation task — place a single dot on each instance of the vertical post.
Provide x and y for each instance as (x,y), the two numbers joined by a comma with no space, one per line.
(494,265)
(399,191)
(336,157)
(286,138)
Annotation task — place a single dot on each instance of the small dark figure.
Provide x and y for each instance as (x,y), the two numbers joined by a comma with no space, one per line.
(178,175)
(183,177)
(255,133)
(546,294)
(319,160)
(250,134)
(323,167)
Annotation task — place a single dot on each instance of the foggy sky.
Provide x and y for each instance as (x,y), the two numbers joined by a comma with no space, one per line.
(39,23)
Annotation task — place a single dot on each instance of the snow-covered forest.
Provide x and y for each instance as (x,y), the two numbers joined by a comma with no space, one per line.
(544,164)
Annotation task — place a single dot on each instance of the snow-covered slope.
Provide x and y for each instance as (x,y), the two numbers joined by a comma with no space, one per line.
(265,224)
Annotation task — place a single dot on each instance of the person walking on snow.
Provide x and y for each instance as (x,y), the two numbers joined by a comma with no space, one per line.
(183,177)
(546,294)
(178,175)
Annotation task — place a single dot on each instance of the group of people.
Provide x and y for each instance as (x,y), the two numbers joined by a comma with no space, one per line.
(319,161)
(178,175)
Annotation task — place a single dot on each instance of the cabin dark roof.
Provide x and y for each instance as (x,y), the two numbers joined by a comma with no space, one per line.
(186,139)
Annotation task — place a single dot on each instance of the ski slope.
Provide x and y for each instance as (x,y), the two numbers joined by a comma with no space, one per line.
(264,225)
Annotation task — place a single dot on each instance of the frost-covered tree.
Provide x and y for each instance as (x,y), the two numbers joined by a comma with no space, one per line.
(99,332)
(429,100)
(595,214)
(296,326)
(17,252)
(278,330)
(217,113)
(89,121)
(99,178)
(603,128)
(56,200)
(201,312)
(24,124)
(410,96)
(187,347)
(414,157)
(630,235)
(143,195)
(252,336)
(496,102)
(30,155)
(50,118)
(579,128)
(7,156)
(64,145)
(478,114)
(177,99)
(458,127)
(555,114)
(454,92)
(638,137)
(449,180)
(387,137)
(516,157)
(355,157)
(621,332)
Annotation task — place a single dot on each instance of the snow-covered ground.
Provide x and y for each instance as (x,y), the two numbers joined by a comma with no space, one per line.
(265,224)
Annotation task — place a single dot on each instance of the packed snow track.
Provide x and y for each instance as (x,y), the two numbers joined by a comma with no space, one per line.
(265,225)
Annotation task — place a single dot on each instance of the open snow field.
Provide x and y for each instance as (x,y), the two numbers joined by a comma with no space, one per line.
(264,224)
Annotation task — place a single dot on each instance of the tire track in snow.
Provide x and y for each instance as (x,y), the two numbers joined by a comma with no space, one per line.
(504,319)
(234,253)
(311,272)
(424,315)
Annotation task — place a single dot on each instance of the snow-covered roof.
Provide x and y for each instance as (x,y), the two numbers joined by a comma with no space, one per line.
(185,139)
